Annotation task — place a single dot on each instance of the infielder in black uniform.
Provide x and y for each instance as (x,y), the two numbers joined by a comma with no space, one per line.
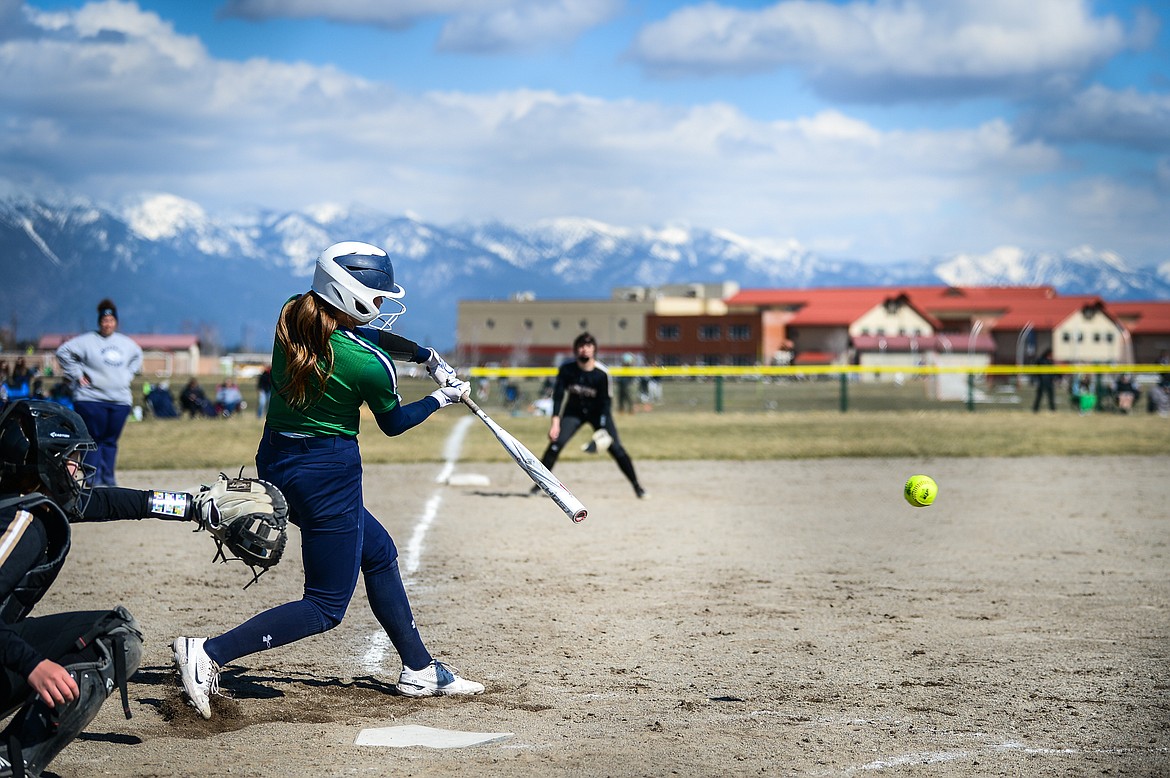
(580,395)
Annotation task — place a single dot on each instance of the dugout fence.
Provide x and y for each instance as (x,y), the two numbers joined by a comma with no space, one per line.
(840,388)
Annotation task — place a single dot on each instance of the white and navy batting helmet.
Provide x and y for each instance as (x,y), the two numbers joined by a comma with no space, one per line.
(352,275)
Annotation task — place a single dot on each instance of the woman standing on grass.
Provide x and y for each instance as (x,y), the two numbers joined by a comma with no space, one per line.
(101,366)
(322,373)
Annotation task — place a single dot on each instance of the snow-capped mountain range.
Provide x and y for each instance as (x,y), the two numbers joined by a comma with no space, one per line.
(172,267)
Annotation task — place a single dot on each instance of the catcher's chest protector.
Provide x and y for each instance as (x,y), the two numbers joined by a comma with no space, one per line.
(24,578)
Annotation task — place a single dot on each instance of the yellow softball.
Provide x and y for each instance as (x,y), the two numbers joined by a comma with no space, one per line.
(920,490)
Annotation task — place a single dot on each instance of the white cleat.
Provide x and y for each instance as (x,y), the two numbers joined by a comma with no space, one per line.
(200,675)
(434,680)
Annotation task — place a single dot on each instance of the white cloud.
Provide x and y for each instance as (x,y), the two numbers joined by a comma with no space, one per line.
(885,50)
(385,13)
(115,101)
(473,26)
(1126,118)
(524,25)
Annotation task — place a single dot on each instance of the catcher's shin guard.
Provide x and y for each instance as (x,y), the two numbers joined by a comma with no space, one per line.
(106,656)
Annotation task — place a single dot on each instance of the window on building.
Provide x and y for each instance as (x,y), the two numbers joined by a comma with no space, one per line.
(622,324)
(711,360)
(742,360)
(528,324)
(710,332)
(1096,337)
(584,324)
(491,323)
(739,332)
(1066,337)
(668,332)
(1108,337)
(669,360)
(556,324)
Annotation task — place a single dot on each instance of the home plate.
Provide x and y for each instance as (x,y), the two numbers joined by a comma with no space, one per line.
(413,735)
(468,479)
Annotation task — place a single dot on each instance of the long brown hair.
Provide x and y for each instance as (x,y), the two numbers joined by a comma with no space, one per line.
(302,332)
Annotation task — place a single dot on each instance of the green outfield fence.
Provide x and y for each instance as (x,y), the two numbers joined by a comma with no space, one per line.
(830,387)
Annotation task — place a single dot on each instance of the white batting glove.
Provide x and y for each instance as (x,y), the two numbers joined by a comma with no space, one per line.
(451,393)
(439,371)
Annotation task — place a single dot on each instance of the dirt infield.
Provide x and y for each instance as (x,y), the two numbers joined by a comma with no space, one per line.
(778,618)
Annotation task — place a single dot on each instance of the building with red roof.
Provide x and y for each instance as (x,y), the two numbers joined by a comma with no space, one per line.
(719,324)
(1148,325)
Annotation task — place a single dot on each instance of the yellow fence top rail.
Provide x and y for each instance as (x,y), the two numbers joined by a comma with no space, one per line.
(807,370)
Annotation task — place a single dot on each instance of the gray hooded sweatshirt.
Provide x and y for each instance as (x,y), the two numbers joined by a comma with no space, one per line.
(109,364)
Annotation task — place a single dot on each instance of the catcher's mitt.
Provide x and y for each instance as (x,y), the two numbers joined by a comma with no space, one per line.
(248,517)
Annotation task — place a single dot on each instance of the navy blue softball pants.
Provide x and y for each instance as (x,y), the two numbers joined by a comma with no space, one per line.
(322,480)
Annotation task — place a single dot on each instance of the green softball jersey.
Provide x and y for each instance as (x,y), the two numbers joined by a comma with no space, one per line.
(362,372)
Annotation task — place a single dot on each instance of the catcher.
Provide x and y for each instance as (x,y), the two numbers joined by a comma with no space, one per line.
(57,670)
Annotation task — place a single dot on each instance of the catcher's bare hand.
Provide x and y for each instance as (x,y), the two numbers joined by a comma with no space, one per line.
(52,683)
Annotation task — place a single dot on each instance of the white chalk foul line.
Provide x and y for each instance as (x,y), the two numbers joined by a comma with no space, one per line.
(409,562)
(452,448)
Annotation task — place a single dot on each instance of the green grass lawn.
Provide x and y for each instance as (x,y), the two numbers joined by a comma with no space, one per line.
(807,424)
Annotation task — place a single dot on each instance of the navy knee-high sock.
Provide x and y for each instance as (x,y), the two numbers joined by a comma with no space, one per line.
(391,608)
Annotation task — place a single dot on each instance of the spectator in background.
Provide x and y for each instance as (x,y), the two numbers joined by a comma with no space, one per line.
(1045,382)
(1084,395)
(263,391)
(1126,393)
(194,401)
(160,402)
(101,365)
(1159,400)
(228,398)
(62,393)
(625,387)
(20,382)
(15,383)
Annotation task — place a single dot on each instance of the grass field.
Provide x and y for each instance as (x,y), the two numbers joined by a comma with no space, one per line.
(679,429)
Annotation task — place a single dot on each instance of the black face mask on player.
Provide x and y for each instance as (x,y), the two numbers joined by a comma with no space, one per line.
(42,445)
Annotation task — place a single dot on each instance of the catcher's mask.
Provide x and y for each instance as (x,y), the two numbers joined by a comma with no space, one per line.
(352,276)
(42,447)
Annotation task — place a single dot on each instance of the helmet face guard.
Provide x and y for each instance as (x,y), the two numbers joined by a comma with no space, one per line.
(355,277)
(42,447)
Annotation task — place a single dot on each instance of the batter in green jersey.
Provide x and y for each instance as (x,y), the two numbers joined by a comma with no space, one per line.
(323,371)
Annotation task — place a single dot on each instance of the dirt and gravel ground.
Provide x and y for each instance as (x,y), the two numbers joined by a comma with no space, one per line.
(777,618)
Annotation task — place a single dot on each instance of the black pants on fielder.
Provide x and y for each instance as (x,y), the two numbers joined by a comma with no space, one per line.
(569,427)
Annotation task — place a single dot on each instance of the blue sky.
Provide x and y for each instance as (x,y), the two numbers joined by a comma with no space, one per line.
(873,129)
